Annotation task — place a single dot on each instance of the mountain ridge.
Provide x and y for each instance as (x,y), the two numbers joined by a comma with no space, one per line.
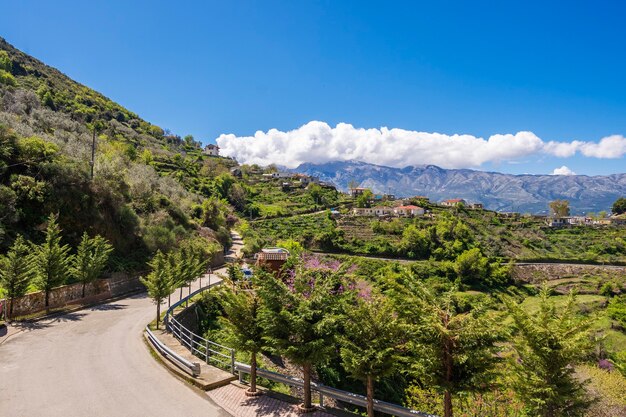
(496,190)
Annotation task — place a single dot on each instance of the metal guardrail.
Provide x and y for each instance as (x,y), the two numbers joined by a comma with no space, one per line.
(324,391)
(212,353)
(192,368)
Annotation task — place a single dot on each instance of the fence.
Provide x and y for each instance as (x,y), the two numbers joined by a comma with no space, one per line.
(212,353)
(324,391)
(224,357)
(192,368)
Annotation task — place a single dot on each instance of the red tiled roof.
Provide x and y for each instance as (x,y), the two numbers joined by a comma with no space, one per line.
(408,208)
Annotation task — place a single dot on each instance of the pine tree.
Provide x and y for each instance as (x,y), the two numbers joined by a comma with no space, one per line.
(371,342)
(242,316)
(549,343)
(455,350)
(91,257)
(51,260)
(158,282)
(16,270)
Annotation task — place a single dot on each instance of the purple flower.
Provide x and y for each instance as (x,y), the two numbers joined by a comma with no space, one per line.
(364,290)
(605,364)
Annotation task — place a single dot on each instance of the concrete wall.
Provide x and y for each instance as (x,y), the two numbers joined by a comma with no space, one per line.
(101,289)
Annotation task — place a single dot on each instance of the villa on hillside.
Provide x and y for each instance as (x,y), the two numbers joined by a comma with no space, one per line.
(212,150)
(363,211)
(383,211)
(454,202)
(408,211)
(275,175)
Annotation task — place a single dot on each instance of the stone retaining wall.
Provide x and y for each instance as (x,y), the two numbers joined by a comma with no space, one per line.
(101,289)
(536,273)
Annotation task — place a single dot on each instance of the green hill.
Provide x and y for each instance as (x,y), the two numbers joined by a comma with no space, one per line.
(145,194)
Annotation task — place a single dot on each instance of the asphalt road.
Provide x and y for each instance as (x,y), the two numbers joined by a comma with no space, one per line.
(94,363)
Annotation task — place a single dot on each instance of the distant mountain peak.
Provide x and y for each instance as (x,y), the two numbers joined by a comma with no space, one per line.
(497,191)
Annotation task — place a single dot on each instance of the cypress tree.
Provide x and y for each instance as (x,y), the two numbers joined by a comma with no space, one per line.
(371,342)
(16,269)
(548,344)
(51,260)
(91,257)
(158,282)
(454,350)
(242,316)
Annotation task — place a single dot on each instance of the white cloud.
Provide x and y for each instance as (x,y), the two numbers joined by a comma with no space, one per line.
(611,147)
(563,171)
(318,142)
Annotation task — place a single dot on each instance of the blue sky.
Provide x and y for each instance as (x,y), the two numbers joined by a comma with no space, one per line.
(470,68)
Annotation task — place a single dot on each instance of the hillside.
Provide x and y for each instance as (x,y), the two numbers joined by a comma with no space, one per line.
(519,238)
(497,191)
(149,186)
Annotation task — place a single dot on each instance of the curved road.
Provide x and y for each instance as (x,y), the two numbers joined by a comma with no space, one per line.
(94,363)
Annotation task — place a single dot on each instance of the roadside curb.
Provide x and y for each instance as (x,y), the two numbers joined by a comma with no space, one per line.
(172,368)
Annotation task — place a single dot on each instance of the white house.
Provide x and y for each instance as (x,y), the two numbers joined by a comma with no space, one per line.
(212,150)
(278,175)
(383,211)
(365,211)
(454,202)
(409,211)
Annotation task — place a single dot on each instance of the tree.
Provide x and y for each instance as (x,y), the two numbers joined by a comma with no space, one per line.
(299,316)
(242,317)
(176,265)
(91,257)
(51,260)
(5,62)
(619,206)
(559,208)
(158,282)
(371,342)
(548,344)
(315,191)
(16,269)
(471,266)
(364,200)
(415,242)
(455,350)
(193,264)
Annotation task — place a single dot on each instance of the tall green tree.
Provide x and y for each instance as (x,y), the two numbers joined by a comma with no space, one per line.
(158,282)
(91,258)
(51,260)
(364,200)
(193,264)
(454,350)
(16,270)
(242,316)
(300,317)
(559,208)
(548,344)
(371,342)
(619,206)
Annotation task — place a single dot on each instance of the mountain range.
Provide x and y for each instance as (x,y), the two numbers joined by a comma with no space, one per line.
(497,191)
